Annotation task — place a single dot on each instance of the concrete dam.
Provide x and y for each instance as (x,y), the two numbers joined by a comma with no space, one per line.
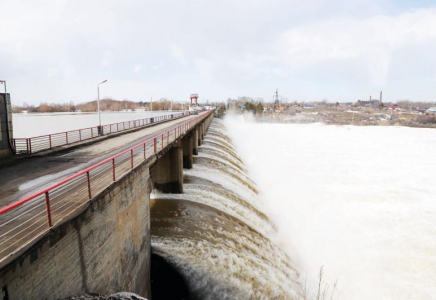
(175,216)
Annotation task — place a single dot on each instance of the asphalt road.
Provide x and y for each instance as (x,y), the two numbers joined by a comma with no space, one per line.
(31,175)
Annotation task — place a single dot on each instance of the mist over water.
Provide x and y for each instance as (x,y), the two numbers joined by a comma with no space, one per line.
(360,201)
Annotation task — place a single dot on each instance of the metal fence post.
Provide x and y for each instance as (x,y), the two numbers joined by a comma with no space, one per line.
(47,205)
(131,158)
(89,186)
(113,169)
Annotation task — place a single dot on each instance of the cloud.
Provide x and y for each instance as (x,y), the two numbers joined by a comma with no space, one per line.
(367,44)
(316,48)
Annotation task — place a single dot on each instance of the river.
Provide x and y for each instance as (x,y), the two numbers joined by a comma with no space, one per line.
(359,201)
(35,124)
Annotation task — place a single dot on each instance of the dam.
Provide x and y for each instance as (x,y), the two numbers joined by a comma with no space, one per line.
(174,216)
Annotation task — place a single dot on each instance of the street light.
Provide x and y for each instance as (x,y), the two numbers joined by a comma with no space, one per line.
(98,106)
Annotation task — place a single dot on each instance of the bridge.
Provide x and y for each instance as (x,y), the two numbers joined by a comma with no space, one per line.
(74,218)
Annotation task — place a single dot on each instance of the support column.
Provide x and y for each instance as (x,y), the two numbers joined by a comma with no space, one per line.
(198,129)
(167,173)
(195,141)
(202,131)
(188,147)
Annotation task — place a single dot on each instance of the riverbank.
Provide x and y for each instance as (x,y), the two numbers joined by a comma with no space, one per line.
(356,116)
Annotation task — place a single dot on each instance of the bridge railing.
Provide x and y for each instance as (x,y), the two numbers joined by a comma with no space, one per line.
(27,219)
(44,142)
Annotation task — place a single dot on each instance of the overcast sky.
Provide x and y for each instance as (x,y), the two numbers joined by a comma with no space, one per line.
(340,50)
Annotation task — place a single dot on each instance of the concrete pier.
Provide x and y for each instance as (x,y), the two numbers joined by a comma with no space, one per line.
(195,142)
(167,173)
(188,149)
(199,139)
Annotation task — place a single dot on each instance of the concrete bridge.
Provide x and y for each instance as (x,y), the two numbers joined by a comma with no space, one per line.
(87,228)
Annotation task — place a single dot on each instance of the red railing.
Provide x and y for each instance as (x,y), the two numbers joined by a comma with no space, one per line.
(49,141)
(25,220)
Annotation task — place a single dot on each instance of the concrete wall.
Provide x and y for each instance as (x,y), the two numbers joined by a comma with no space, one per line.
(4,145)
(104,249)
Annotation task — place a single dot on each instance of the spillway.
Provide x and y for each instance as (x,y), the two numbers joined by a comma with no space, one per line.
(216,234)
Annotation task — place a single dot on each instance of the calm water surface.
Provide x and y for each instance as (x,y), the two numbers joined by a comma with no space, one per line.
(28,125)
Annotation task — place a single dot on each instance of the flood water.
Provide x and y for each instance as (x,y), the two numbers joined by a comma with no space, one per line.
(35,124)
(359,201)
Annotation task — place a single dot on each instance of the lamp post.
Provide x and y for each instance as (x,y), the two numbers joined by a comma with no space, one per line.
(98,107)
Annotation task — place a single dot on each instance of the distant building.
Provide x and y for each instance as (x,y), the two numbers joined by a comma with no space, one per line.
(369,103)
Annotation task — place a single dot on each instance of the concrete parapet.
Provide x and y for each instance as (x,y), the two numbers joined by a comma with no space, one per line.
(167,173)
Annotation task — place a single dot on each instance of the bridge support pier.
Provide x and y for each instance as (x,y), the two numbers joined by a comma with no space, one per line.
(198,129)
(195,141)
(167,173)
(188,149)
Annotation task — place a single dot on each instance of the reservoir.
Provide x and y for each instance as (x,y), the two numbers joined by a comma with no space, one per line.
(35,124)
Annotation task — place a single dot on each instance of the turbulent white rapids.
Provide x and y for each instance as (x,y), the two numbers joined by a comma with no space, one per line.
(216,233)
(360,201)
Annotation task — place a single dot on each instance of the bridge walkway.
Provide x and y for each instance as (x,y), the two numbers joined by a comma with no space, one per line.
(72,179)
(29,175)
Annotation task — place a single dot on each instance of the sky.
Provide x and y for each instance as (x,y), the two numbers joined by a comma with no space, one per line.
(339,50)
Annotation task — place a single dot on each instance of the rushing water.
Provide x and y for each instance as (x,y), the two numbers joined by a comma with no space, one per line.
(360,201)
(217,234)
(35,124)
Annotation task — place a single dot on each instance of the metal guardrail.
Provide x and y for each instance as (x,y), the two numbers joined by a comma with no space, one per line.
(25,220)
(43,142)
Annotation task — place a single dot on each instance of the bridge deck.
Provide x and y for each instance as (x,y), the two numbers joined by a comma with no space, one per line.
(29,175)
(102,162)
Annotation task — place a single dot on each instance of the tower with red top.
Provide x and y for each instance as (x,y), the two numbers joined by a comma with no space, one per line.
(194,97)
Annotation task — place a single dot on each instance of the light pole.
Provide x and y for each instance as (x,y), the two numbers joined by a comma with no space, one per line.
(98,106)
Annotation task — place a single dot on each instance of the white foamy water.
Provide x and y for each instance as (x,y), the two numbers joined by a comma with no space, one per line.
(360,201)
(216,233)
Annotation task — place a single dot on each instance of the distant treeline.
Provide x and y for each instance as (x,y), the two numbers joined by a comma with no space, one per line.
(105,105)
